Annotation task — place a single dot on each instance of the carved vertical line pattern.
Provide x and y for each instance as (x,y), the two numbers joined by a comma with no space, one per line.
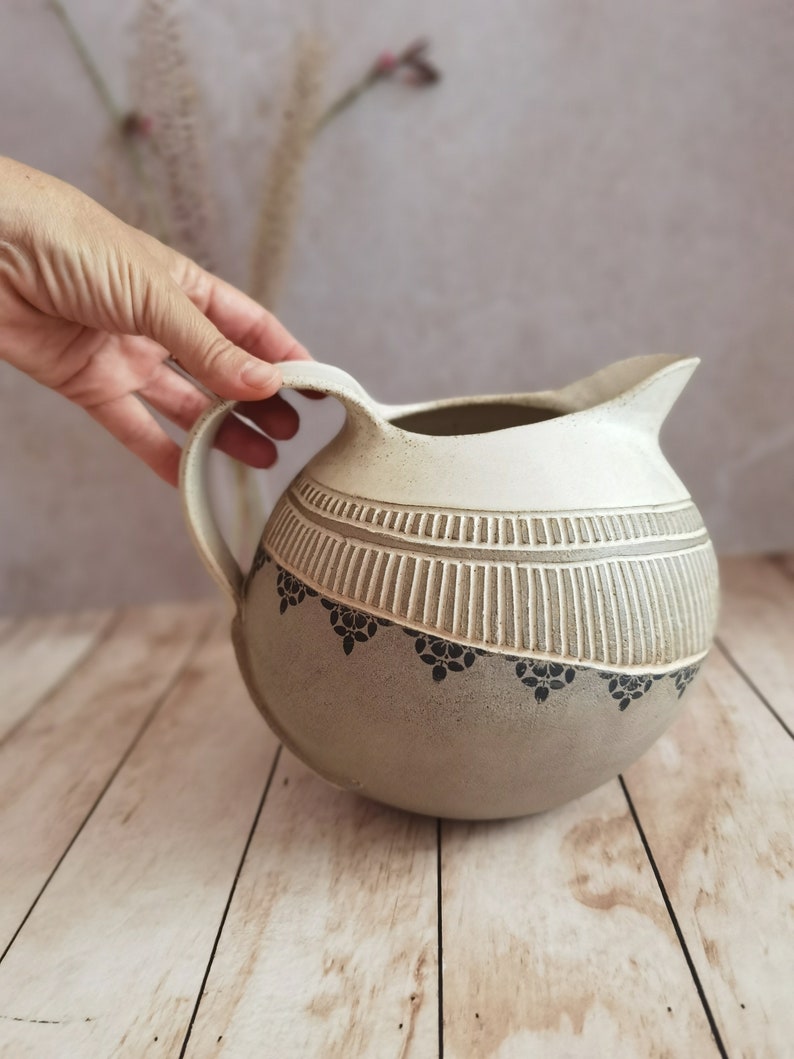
(596,617)
(710,578)
(702,581)
(318,543)
(342,561)
(613,645)
(528,617)
(475,612)
(696,596)
(430,603)
(548,642)
(627,625)
(672,604)
(516,590)
(344,569)
(486,602)
(333,558)
(375,578)
(712,581)
(657,626)
(364,569)
(413,595)
(500,617)
(654,613)
(638,611)
(586,604)
(386,598)
(399,583)
(681,606)
(664,598)
(443,608)
(575,574)
(458,598)
(562,616)
(696,579)
(321,564)
(691,614)
(303,540)
(278,520)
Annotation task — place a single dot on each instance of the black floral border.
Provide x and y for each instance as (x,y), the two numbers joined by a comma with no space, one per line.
(543,678)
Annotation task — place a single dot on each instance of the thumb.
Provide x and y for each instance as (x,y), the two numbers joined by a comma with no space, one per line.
(172,320)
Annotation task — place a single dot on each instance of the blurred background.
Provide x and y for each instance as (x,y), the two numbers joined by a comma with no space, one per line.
(585,182)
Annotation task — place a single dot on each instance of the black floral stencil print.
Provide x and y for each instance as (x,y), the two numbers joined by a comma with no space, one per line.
(684,677)
(354,626)
(260,559)
(544,677)
(443,655)
(627,687)
(291,589)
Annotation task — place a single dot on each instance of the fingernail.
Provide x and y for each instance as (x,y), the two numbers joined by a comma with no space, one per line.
(259,374)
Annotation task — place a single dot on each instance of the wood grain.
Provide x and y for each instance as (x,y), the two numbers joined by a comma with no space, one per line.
(38,653)
(715,798)
(756,626)
(112,959)
(557,943)
(56,764)
(330,948)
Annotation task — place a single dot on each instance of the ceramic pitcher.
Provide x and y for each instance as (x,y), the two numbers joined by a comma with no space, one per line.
(477,607)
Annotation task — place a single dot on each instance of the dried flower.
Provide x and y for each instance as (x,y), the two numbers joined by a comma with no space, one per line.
(282,183)
(167,93)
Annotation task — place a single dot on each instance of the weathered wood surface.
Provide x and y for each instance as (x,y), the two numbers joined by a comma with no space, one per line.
(112,959)
(757,626)
(56,765)
(715,798)
(36,656)
(557,941)
(330,948)
(163,893)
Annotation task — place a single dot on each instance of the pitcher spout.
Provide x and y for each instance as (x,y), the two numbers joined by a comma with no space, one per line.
(640,392)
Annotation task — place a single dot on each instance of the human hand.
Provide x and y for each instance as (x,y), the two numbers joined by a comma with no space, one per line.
(94,308)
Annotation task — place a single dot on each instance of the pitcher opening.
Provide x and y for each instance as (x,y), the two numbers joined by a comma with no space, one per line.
(475,418)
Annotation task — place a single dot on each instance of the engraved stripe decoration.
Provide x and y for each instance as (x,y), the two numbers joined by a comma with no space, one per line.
(628,588)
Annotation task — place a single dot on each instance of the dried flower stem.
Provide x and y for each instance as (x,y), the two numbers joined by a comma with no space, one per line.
(412,57)
(117,116)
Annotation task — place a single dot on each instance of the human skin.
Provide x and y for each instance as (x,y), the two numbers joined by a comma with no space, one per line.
(98,311)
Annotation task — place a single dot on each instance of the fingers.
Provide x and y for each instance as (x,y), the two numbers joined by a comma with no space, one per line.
(170,318)
(179,400)
(131,424)
(220,335)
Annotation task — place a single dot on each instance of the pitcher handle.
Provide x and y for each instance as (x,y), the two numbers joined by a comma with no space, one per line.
(202,525)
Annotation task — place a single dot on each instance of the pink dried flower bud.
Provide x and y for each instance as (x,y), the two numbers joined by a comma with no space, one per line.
(386,63)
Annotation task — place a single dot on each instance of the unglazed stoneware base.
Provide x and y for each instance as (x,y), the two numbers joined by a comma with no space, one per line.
(477,608)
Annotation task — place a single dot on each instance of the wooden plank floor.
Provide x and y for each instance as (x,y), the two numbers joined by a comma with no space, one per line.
(172,883)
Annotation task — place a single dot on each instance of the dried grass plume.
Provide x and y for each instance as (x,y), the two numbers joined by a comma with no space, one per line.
(166,91)
(283,180)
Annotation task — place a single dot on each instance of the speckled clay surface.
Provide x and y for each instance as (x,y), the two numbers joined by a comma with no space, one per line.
(481,624)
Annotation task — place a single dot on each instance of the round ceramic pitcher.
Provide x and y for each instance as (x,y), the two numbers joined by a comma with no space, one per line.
(478,607)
